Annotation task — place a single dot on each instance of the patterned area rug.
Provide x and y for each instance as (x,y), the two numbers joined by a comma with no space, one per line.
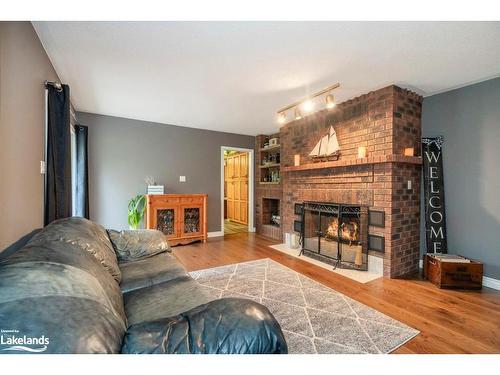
(313,317)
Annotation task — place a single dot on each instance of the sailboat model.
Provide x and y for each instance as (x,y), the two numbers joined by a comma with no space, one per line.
(327,147)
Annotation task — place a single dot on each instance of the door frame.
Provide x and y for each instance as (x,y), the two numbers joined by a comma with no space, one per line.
(251,182)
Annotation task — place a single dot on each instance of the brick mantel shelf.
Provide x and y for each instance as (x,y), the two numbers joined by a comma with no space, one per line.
(355,162)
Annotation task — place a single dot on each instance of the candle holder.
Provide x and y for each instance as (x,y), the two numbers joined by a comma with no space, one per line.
(361,152)
(409,151)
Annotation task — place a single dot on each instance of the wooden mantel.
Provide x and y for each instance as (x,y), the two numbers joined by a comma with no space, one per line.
(354,162)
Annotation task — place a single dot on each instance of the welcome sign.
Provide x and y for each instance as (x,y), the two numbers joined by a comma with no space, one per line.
(435,214)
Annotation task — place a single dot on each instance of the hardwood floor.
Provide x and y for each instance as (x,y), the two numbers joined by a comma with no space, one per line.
(449,321)
(231,227)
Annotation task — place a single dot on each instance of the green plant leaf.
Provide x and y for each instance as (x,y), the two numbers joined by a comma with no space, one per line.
(136,209)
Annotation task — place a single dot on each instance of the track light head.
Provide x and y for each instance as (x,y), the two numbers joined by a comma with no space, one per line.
(308,105)
(330,101)
(281,117)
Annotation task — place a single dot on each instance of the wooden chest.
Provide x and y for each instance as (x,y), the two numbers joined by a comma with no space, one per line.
(449,274)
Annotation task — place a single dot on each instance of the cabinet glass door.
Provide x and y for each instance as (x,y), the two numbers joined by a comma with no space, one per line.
(165,221)
(191,220)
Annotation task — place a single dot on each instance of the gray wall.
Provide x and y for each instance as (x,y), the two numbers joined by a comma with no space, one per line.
(469,120)
(123,151)
(24,66)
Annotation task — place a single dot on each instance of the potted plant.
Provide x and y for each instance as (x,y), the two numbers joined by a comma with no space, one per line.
(136,208)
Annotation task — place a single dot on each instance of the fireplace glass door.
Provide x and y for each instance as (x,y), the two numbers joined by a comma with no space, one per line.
(336,234)
(310,236)
(352,249)
(328,236)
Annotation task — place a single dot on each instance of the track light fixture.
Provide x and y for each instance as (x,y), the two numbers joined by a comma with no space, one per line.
(307,104)
(282,117)
(298,114)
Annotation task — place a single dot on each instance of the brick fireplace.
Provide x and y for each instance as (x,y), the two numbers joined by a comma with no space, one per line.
(386,122)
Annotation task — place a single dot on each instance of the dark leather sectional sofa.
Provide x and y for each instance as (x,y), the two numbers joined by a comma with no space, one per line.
(70,289)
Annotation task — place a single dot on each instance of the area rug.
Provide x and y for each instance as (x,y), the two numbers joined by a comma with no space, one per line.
(313,317)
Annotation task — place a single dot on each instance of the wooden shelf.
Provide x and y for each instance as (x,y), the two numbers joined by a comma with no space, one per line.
(268,183)
(274,165)
(355,162)
(270,148)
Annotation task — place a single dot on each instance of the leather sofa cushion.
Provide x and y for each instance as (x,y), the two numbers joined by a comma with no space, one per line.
(84,235)
(225,326)
(163,300)
(29,276)
(65,294)
(149,271)
(131,245)
(72,325)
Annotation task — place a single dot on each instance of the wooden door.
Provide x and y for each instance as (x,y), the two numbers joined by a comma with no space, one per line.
(236,180)
(230,167)
(243,187)
(244,165)
(229,186)
(230,200)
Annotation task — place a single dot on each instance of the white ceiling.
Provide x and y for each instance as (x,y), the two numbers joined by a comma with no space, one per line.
(233,76)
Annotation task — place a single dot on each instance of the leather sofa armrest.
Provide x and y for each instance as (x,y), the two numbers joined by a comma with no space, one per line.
(225,326)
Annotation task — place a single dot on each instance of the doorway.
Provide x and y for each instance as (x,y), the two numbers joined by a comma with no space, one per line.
(237,190)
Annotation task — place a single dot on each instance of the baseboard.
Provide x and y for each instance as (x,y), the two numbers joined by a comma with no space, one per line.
(488,282)
(221,233)
(215,234)
(253,230)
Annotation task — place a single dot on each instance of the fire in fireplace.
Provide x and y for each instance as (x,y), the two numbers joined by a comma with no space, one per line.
(336,233)
(349,230)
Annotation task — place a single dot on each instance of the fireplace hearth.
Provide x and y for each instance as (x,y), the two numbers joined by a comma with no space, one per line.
(336,234)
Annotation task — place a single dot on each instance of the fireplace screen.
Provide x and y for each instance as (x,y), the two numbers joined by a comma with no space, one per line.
(336,233)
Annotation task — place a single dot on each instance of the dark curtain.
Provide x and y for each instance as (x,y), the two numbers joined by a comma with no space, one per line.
(58,177)
(82,174)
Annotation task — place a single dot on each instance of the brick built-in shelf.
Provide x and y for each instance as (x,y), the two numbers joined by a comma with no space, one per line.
(354,162)
(273,165)
(267,190)
(270,148)
(269,183)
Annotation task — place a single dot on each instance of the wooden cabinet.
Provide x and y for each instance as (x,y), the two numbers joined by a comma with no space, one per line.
(236,187)
(182,217)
